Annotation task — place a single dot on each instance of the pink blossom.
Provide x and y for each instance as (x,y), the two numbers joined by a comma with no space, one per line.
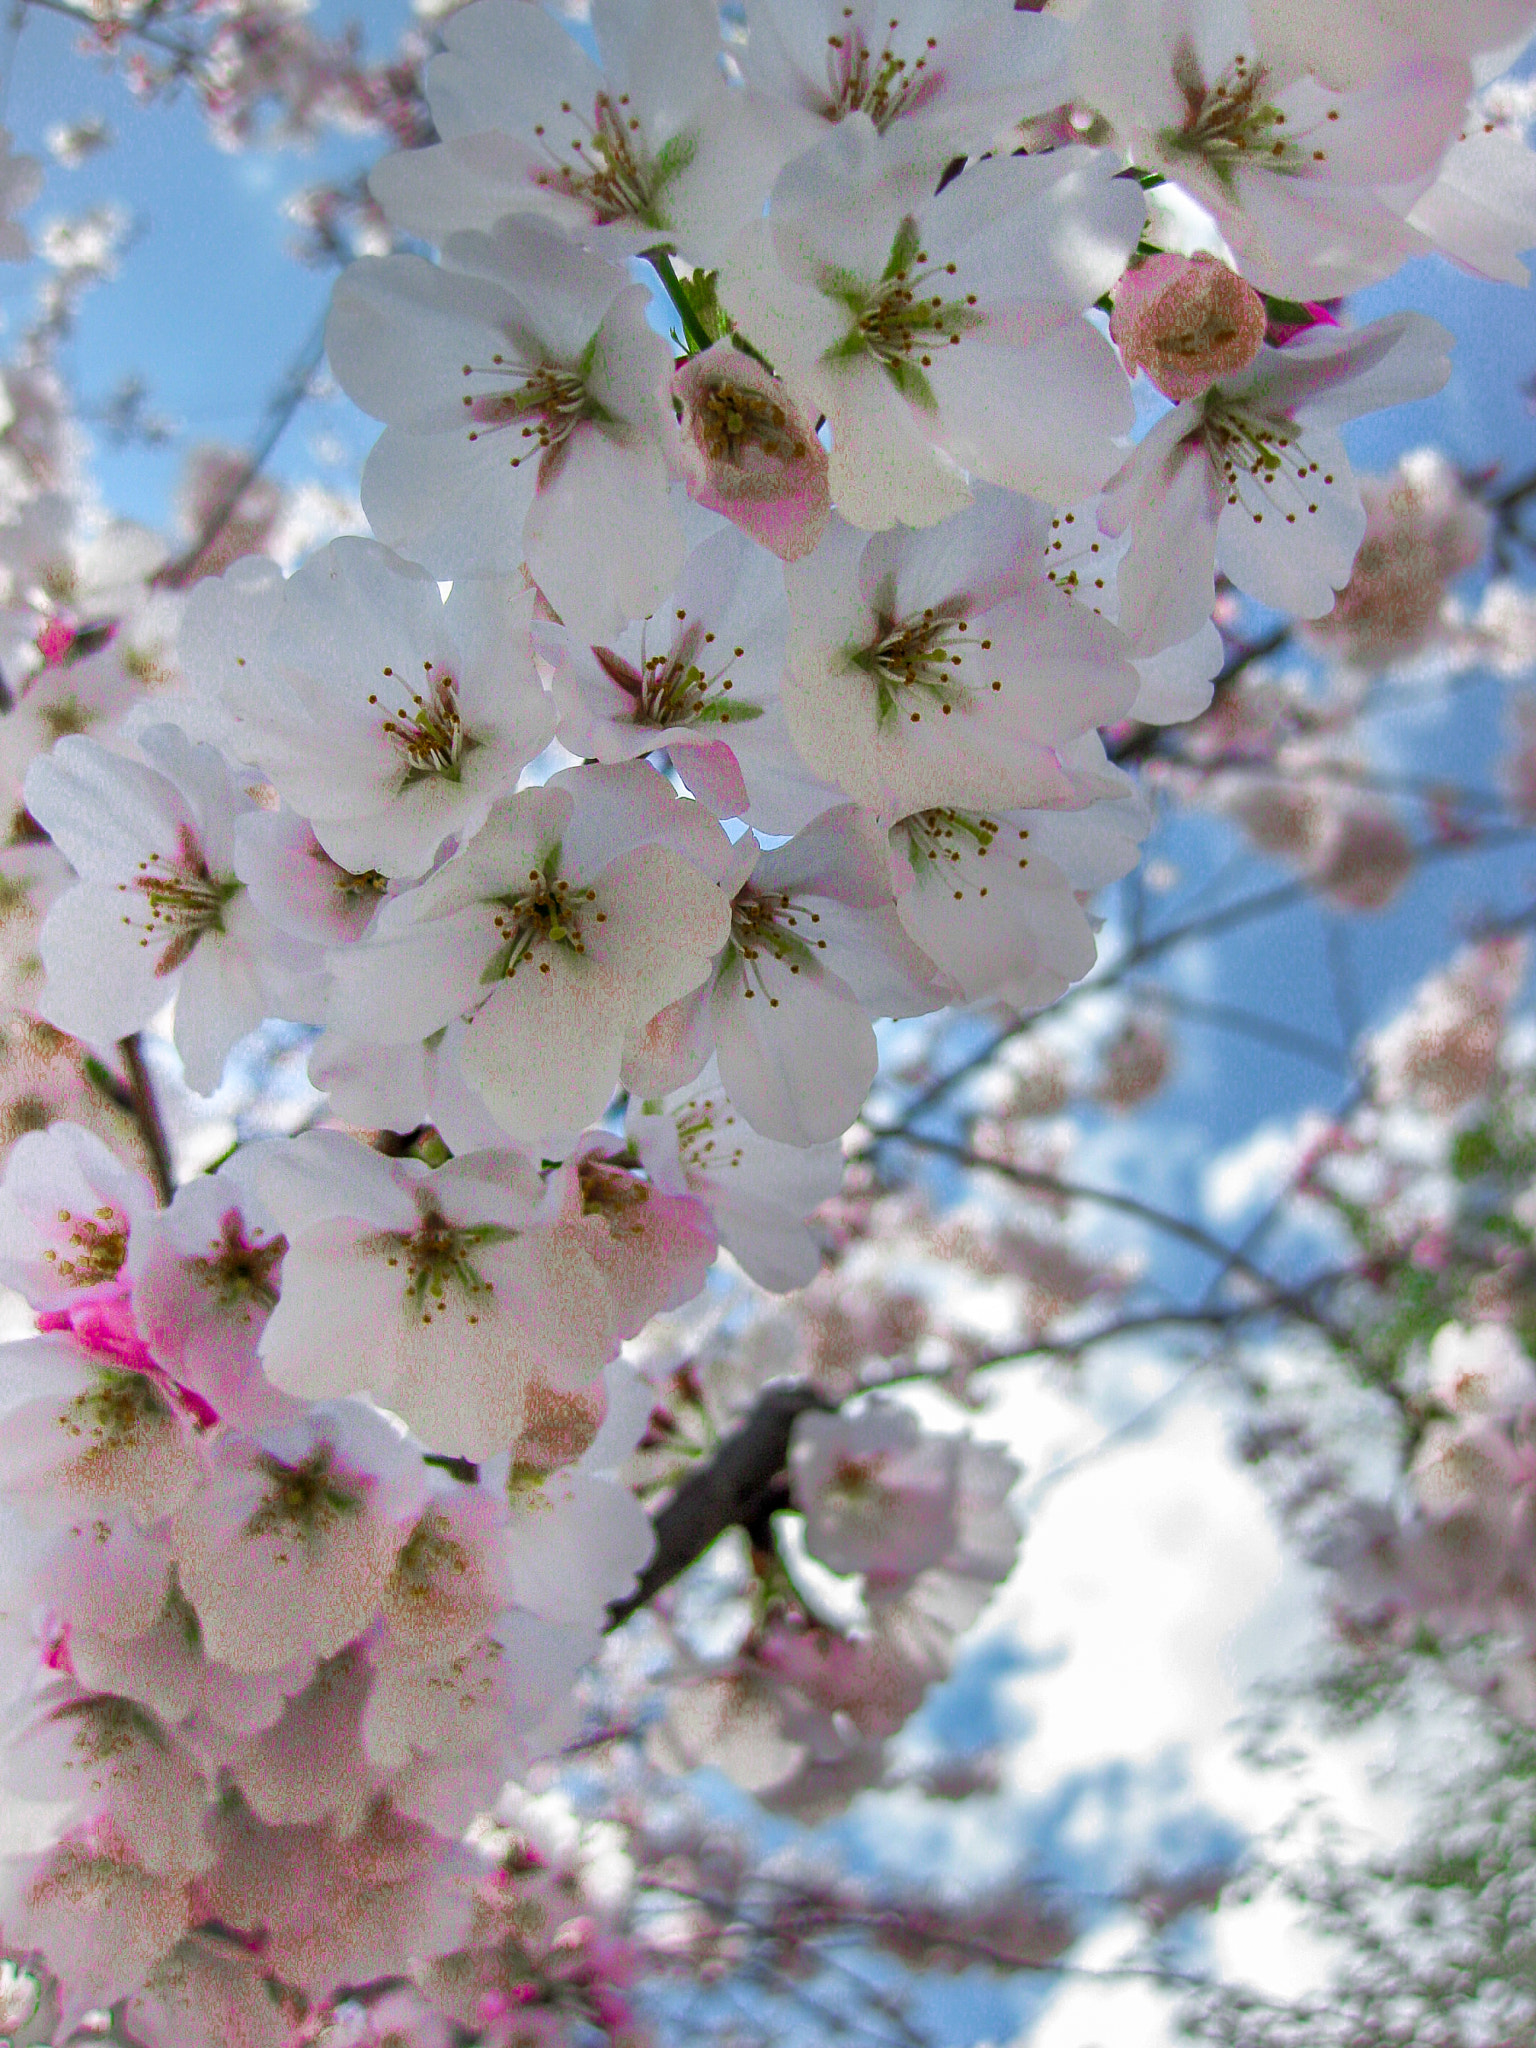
(749,452)
(1186,320)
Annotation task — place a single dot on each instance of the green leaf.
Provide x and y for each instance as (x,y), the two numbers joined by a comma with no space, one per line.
(1473,1152)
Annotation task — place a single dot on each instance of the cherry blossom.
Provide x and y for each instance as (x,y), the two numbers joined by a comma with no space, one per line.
(526,408)
(945,80)
(936,334)
(113,1763)
(1253,478)
(647,149)
(158,910)
(987,908)
(577,912)
(749,453)
(1421,530)
(1186,321)
(68,1208)
(1271,154)
(386,718)
(941,668)
(654,1247)
(700,677)
(287,1550)
(87,1437)
(205,1276)
(103,1920)
(436,1293)
(791,1031)
(758,1193)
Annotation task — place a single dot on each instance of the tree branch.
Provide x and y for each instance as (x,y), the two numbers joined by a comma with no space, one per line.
(737,1488)
(146,1114)
(281,408)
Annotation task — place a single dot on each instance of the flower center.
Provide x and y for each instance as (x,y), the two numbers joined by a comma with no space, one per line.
(1231,123)
(183,901)
(238,1271)
(1258,458)
(606,166)
(732,418)
(774,928)
(881,84)
(550,402)
(549,913)
(116,1411)
(701,1146)
(944,846)
(306,1500)
(675,688)
(899,321)
(430,1555)
(95,1249)
(438,1255)
(428,733)
(917,664)
(108,1726)
(611,1191)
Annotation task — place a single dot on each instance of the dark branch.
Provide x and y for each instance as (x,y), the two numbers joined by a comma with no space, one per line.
(738,1488)
(146,1114)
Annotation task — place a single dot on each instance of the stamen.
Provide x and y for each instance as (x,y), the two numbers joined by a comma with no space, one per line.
(548,913)
(429,734)
(883,84)
(607,167)
(1231,123)
(673,689)
(238,1271)
(438,1255)
(899,322)
(184,901)
(306,1500)
(772,926)
(921,658)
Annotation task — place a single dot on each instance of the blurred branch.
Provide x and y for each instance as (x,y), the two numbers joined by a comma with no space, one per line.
(738,1487)
(281,407)
(146,1114)
(86,17)
(1037,1181)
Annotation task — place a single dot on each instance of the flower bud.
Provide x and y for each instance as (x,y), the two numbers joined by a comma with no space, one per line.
(748,453)
(1186,320)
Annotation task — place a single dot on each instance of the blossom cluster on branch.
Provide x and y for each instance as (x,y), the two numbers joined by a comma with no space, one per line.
(760,551)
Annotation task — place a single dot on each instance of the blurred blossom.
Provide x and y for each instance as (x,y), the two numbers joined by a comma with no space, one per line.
(1134,1065)
(1422,529)
(1441,1053)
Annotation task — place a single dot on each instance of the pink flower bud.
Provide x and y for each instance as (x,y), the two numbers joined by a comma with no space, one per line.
(54,640)
(748,453)
(1186,320)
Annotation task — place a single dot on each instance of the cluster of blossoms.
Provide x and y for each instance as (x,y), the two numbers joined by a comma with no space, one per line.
(1427,1186)
(689,710)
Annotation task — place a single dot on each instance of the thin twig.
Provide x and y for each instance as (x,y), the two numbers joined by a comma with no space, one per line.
(281,408)
(146,1114)
(1039,1182)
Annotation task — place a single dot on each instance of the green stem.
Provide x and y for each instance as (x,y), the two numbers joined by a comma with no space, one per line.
(672,284)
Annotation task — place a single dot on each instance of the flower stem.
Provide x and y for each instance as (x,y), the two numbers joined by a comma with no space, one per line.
(146,1114)
(672,284)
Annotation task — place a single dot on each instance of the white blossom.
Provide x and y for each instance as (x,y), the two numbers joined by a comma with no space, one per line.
(943,335)
(385,717)
(646,149)
(527,413)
